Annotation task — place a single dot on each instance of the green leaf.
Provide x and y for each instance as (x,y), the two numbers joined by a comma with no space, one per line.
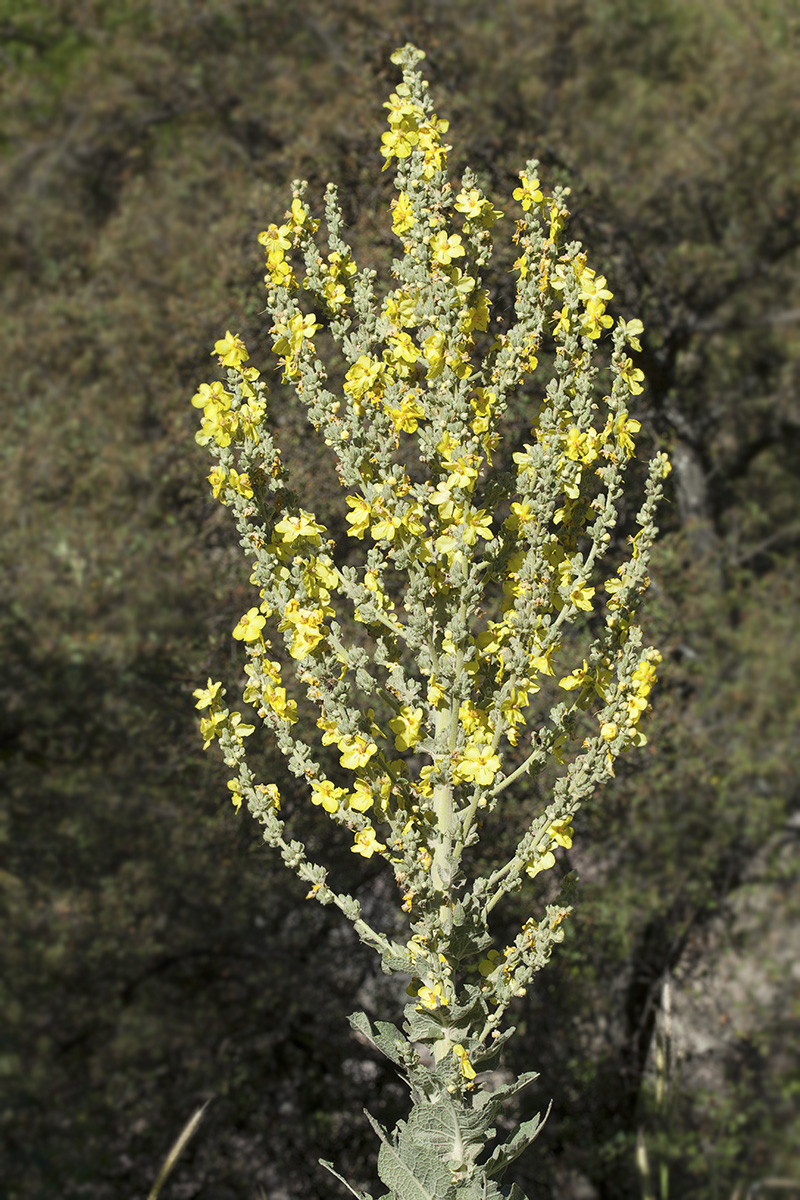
(482,1188)
(409,1170)
(385,1037)
(514,1192)
(503,1156)
(390,1041)
(457,1136)
(421,1026)
(469,934)
(494,1100)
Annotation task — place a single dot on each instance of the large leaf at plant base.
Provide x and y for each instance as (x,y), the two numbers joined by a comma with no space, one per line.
(409,1170)
(456,1135)
(425,1177)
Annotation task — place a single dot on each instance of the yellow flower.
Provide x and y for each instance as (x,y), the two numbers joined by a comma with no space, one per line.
(581,597)
(521,515)
(361,799)
(479,765)
(219,429)
(237,728)
(372,584)
(398,143)
(366,843)
(561,832)
(291,337)
(435,348)
(364,376)
(489,964)
(632,376)
(387,525)
(212,398)
(541,662)
(250,626)
(512,709)
(540,862)
(577,679)
(530,192)
(335,294)
(623,427)
(521,265)
(442,498)
(482,404)
(595,319)
(477,523)
(476,316)
(207,695)
(279,274)
(432,997)
(285,709)
(235,786)
(358,519)
(399,310)
(341,266)
(402,354)
(642,681)
(430,143)
(561,320)
(299,217)
(400,107)
(476,208)
(406,418)
(275,240)
(444,249)
(211,725)
(231,350)
(467,1069)
(406,726)
(403,214)
(324,793)
(307,626)
(632,330)
(356,751)
(558,219)
(303,525)
(593,286)
(270,791)
(239,483)
(469,203)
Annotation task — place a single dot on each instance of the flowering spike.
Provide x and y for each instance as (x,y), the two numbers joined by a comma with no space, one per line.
(427,693)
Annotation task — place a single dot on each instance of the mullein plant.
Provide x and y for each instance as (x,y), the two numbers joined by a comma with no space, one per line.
(460,596)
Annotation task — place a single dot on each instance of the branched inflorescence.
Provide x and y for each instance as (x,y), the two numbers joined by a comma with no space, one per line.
(468,583)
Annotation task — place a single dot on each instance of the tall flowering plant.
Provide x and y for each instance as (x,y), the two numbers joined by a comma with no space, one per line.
(465,583)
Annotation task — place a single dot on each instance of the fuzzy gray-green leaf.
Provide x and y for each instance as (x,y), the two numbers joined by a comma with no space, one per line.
(416,1173)
(503,1156)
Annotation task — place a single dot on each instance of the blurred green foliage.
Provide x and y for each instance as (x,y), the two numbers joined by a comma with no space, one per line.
(153,954)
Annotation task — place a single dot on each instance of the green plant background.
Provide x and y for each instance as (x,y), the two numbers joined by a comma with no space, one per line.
(153,953)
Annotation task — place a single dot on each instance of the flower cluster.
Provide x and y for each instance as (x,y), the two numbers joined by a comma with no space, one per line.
(429,708)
